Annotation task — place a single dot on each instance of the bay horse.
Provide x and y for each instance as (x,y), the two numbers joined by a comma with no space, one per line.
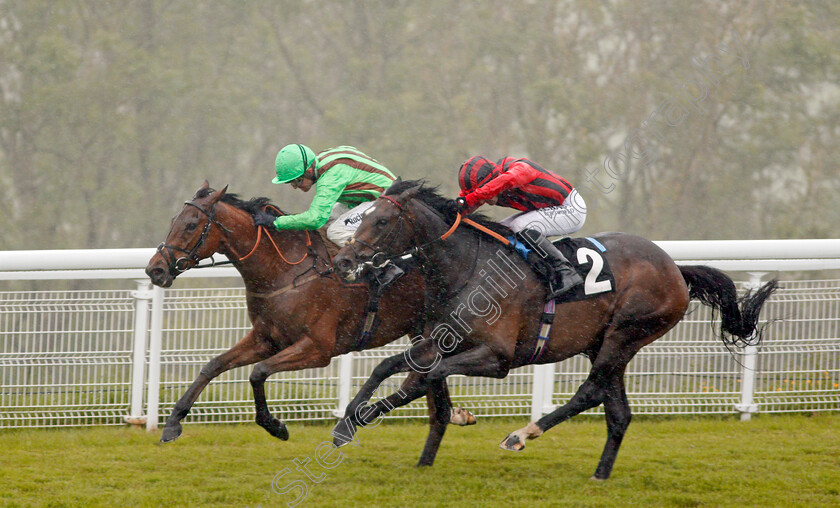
(484,321)
(302,315)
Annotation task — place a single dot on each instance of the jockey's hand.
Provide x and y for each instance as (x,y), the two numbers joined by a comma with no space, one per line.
(461,203)
(265,219)
(451,207)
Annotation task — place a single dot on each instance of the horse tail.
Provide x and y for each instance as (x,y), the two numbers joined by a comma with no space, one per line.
(739,317)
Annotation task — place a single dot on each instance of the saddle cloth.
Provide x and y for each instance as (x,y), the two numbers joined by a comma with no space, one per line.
(586,256)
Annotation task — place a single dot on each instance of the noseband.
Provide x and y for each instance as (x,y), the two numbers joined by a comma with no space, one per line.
(179,265)
(379,258)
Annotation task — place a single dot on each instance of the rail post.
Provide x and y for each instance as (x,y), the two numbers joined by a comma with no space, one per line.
(747,405)
(142,295)
(155,345)
(345,383)
(542,391)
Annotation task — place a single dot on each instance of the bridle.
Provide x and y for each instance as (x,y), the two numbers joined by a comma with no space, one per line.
(380,258)
(179,265)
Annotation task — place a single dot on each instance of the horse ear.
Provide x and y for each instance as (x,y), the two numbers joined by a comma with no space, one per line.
(409,193)
(218,194)
(204,186)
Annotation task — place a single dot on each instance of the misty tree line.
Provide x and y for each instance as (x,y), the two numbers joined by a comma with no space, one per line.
(678,120)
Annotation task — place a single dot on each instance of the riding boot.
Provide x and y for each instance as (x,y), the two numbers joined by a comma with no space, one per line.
(549,261)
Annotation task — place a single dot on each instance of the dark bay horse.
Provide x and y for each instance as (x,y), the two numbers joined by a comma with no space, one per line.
(483,320)
(302,314)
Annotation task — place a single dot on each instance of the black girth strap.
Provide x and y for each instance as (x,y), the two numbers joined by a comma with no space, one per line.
(545,329)
(371,321)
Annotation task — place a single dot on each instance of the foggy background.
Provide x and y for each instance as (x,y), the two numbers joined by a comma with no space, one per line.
(677,120)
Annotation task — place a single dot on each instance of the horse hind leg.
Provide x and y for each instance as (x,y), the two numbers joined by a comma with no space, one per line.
(440,409)
(605,384)
(590,394)
(595,390)
(616,407)
(618,415)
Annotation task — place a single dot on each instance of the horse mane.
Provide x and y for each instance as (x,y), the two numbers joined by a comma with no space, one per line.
(432,197)
(251,206)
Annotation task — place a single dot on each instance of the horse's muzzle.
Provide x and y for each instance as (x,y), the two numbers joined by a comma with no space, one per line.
(159,275)
(347,267)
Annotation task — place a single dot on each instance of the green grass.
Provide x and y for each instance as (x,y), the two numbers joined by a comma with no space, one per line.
(769,461)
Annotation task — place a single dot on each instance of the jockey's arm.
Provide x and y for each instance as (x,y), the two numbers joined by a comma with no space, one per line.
(517,175)
(327,193)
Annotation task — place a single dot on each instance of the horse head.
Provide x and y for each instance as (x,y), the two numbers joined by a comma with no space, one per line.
(387,231)
(195,234)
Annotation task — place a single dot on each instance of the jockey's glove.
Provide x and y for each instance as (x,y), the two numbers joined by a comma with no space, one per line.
(265,219)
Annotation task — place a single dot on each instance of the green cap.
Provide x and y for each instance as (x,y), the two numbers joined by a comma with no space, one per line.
(291,162)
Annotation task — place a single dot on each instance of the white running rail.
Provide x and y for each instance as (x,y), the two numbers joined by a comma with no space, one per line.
(104,357)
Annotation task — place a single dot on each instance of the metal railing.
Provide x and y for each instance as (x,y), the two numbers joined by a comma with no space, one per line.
(104,357)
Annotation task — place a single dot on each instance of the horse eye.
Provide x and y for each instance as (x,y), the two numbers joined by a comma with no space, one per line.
(382,222)
(190,226)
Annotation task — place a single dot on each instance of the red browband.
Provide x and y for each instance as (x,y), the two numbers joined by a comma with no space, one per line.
(392,200)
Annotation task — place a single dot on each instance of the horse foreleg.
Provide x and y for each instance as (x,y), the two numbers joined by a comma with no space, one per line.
(462,417)
(248,350)
(303,354)
(386,368)
(478,361)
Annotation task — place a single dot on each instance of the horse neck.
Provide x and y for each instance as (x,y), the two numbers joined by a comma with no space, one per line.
(261,265)
(462,245)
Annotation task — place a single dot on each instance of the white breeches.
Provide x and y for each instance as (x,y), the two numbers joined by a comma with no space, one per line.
(552,221)
(344,221)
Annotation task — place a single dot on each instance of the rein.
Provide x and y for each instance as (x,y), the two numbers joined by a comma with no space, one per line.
(294,285)
(547,317)
(483,229)
(178,265)
(380,259)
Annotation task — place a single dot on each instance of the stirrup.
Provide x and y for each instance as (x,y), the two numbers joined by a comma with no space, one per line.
(387,275)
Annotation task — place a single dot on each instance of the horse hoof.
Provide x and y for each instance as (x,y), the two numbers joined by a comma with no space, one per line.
(343,432)
(596,479)
(512,443)
(277,429)
(462,417)
(170,433)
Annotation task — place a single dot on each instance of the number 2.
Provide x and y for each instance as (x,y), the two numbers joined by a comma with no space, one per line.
(592,286)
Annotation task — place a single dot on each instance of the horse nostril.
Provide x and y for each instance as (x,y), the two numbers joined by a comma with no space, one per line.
(155,273)
(344,265)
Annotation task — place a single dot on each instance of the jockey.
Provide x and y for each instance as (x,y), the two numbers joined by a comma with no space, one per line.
(346,183)
(548,204)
